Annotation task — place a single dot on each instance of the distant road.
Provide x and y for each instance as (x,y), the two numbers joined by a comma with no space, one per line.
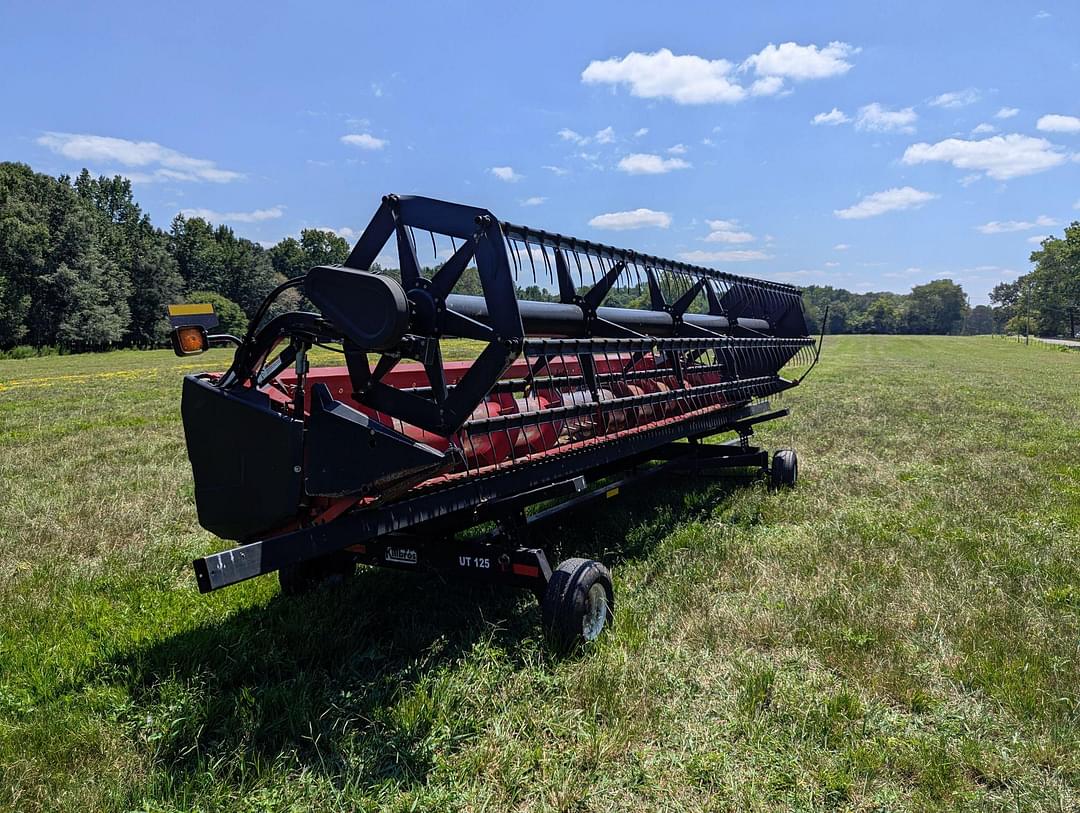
(1063,342)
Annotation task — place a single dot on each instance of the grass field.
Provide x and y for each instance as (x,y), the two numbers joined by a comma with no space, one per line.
(902,631)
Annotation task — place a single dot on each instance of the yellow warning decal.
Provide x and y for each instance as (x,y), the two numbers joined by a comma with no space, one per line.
(191,310)
(612,493)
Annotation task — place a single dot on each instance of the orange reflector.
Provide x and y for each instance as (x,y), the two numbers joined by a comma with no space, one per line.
(191,339)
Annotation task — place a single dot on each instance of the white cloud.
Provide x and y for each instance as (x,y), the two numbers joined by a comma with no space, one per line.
(735,256)
(985,269)
(506,174)
(890,200)
(556,170)
(955,98)
(364,141)
(803,275)
(685,79)
(832,264)
(1054,123)
(535,200)
(678,149)
(1076,205)
(877,119)
(984,129)
(1006,112)
(1001,157)
(605,136)
(1043,15)
(904,274)
(1038,238)
(691,79)
(1005,226)
(841,247)
(799,62)
(726,231)
(635,219)
(833,117)
(256,216)
(767,86)
(351,234)
(165,164)
(641,131)
(640,163)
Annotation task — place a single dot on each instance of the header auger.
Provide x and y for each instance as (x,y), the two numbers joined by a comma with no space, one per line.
(385,460)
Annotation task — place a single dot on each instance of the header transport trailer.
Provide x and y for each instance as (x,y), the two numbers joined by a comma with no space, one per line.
(392,458)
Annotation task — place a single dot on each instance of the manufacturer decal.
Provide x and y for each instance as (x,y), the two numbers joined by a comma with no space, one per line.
(403,556)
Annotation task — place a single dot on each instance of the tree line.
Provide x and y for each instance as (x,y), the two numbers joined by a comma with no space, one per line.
(940,306)
(1045,301)
(83,268)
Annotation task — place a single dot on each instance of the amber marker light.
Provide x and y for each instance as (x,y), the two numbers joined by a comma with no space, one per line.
(189,340)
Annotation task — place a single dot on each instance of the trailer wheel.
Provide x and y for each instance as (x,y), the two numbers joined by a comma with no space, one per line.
(785,469)
(578,603)
(295,580)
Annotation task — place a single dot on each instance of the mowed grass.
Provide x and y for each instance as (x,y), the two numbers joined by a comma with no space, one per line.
(899,632)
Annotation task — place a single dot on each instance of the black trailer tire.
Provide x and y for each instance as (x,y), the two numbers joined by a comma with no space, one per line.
(578,602)
(785,469)
(304,577)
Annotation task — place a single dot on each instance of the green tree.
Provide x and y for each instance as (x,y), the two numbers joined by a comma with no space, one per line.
(215,259)
(92,319)
(24,241)
(937,307)
(80,296)
(1005,297)
(292,257)
(884,315)
(156,283)
(838,318)
(323,247)
(1054,284)
(231,317)
(288,258)
(980,321)
(1020,325)
(199,258)
(138,252)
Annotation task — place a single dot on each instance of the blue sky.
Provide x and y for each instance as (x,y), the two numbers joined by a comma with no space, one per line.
(946,142)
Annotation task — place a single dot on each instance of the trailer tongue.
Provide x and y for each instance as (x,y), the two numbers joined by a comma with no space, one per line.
(389,458)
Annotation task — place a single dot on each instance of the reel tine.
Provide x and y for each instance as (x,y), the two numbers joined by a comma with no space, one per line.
(514,256)
(528,251)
